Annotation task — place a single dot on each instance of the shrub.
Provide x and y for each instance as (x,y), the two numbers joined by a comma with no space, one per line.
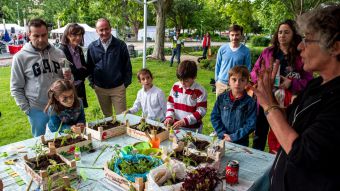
(255,54)
(260,41)
(167,51)
(208,64)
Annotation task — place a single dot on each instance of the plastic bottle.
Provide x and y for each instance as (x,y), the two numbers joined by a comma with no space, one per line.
(171,137)
(276,68)
(67,67)
(77,153)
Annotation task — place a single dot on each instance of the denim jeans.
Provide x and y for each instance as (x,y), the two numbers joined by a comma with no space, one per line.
(38,120)
(176,52)
(205,50)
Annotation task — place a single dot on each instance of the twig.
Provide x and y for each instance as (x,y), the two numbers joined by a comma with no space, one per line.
(29,185)
(101,152)
(101,168)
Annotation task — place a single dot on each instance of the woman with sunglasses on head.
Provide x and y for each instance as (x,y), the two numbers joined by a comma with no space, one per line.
(64,107)
(70,45)
(308,130)
(291,78)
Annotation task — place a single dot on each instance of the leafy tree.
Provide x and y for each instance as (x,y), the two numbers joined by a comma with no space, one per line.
(182,11)
(270,13)
(239,12)
(298,7)
(161,7)
(127,13)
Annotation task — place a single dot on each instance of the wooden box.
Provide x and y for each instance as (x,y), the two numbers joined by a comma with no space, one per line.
(139,185)
(86,142)
(102,134)
(216,154)
(44,180)
(140,135)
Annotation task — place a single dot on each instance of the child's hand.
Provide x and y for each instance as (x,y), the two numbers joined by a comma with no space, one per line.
(180,123)
(78,128)
(67,75)
(168,121)
(227,138)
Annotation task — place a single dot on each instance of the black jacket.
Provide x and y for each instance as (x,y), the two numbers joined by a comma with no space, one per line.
(112,68)
(78,74)
(313,162)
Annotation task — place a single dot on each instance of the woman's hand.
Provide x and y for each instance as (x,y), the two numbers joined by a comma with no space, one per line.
(263,88)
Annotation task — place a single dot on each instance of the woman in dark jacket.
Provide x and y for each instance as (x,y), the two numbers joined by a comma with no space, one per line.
(308,131)
(72,38)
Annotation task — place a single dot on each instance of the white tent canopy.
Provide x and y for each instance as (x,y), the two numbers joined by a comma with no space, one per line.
(8,26)
(89,36)
(151,33)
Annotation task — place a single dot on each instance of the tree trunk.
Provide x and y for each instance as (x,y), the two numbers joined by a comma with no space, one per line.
(161,7)
(135,30)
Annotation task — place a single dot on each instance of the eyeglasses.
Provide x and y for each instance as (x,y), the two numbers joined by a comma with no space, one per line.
(306,41)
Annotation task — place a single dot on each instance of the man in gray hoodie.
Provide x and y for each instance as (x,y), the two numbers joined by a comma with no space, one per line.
(34,68)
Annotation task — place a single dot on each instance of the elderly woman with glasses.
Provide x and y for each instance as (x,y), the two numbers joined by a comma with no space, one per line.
(308,130)
(291,78)
(70,45)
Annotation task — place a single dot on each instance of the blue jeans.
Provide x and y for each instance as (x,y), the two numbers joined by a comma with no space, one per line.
(176,52)
(205,50)
(38,120)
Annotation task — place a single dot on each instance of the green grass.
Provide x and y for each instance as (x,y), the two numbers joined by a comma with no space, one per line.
(14,124)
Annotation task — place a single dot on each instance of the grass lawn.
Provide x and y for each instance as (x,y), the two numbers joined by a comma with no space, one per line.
(14,124)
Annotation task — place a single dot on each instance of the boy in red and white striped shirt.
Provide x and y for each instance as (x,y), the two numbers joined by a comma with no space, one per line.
(187,102)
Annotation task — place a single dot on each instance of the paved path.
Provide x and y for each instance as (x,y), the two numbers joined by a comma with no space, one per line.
(5,59)
(139,45)
(183,57)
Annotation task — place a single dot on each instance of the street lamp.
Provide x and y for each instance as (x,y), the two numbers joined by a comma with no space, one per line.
(145,3)
(18,13)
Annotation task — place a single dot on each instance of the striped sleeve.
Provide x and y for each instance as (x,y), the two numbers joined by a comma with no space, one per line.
(170,111)
(201,108)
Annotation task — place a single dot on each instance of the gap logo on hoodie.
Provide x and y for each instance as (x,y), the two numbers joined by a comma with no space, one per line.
(47,67)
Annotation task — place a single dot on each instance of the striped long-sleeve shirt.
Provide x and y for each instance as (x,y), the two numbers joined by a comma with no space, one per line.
(188,104)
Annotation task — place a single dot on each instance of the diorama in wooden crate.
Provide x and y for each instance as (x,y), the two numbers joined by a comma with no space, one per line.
(195,152)
(214,149)
(130,171)
(174,176)
(48,168)
(140,130)
(106,128)
(68,142)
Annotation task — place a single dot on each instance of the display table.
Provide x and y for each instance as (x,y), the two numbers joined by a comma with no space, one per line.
(14,48)
(253,163)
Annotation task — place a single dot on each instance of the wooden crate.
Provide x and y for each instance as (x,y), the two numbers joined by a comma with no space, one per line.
(139,185)
(216,156)
(68,148)
(177,144)
(140,135)
(102,134)
(41,178)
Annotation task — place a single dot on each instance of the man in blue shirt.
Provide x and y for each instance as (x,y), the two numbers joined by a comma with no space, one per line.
(230,55)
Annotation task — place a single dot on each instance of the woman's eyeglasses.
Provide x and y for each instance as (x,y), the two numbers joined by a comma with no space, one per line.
(308,41)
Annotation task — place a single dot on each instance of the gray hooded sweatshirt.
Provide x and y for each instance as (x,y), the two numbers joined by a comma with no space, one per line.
(32,74)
